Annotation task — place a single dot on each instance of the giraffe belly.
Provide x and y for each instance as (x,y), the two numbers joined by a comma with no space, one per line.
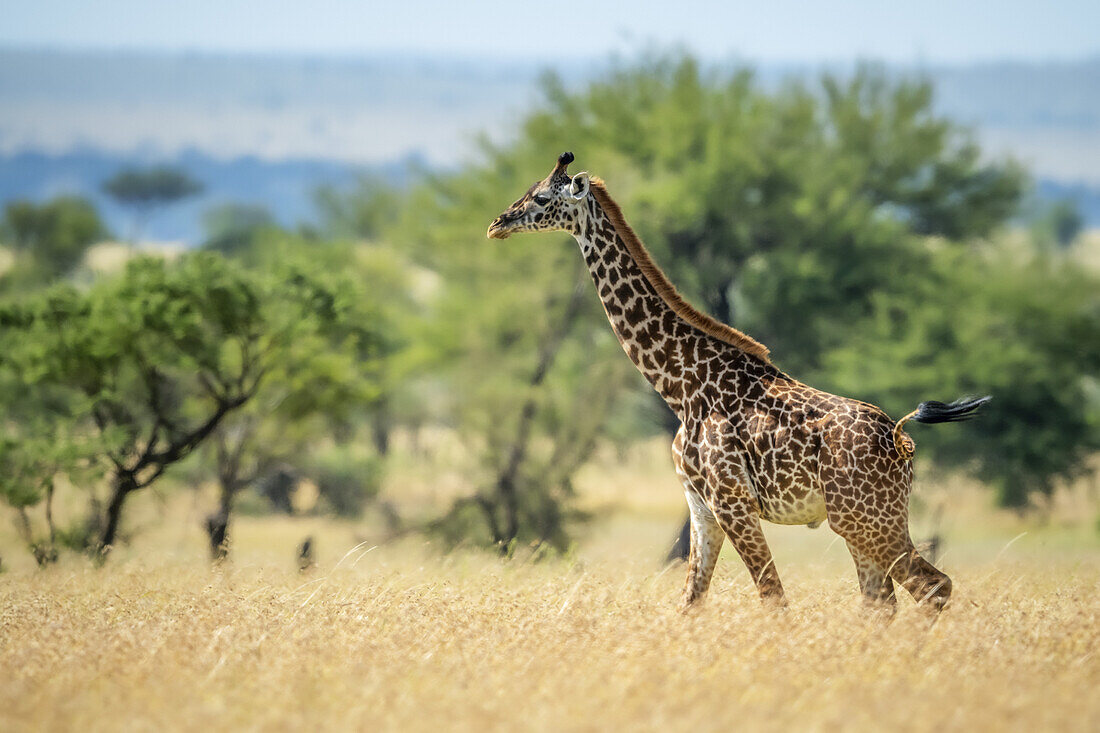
(792,505)
(782,464)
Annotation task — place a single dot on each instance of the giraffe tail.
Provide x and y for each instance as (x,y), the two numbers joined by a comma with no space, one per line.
(932,412)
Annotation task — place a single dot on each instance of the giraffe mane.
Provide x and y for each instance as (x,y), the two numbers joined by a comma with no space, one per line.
(664,287)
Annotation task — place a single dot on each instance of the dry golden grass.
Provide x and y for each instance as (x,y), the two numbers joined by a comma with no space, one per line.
(403,637)
(466,642)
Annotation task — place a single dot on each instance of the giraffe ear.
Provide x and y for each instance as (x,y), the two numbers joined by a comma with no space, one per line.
(578,187)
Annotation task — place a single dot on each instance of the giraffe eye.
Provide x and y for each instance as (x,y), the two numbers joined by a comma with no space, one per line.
(542,199)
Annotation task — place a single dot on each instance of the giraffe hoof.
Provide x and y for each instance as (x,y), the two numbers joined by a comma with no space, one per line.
(689,606)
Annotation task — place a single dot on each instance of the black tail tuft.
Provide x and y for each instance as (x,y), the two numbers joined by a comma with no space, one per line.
(962,409)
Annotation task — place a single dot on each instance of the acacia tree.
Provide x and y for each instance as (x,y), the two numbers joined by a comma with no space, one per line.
(144,190)
(319,384)
(781,211)
(151,363)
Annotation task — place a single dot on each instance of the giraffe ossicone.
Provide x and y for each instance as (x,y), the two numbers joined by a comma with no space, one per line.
(754,443)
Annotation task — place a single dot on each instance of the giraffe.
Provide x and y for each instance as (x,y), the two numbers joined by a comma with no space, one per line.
(753,443)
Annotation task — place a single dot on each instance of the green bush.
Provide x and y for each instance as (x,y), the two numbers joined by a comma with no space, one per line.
(347,479)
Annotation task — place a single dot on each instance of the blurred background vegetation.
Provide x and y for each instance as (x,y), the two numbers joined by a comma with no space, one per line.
(840,219)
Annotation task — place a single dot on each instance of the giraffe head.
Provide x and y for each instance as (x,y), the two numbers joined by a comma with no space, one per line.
(552,204)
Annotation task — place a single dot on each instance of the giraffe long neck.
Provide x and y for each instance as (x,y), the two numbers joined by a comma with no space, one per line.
(650,331)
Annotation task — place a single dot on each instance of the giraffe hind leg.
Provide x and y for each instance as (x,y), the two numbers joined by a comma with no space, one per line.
(925,583)
(880,531)
(900,561)
(874,582)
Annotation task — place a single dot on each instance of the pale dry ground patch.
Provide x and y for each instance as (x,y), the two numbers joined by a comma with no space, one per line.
(7,259)
(402,636)
(106,258)
(1086,250)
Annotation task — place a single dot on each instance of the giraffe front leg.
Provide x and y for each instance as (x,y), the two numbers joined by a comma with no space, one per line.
(706,543)
(738,515)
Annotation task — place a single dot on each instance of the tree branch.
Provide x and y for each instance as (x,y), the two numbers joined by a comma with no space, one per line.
(181,448)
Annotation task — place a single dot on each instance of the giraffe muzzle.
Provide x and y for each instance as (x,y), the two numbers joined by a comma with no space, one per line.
(498,229)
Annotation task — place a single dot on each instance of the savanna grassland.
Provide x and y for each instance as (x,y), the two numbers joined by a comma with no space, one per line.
(392,359)
(404,637)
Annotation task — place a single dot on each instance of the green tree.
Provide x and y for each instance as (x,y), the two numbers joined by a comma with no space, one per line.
(53,236)
(366,219)
(144,190)
(152,362)
(318,387)
(779,211)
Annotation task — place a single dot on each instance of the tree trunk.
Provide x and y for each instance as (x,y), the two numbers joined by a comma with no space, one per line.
(723,305)
(124,485)
(380,429)
(506,482)
(217,529)
(49,518)
(217,525)
(507,492)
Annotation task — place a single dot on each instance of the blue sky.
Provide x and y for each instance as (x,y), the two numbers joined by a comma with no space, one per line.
(924,32)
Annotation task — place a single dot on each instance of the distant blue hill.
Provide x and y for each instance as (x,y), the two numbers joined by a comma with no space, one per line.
(71,119)
(285,188)
(376,109)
